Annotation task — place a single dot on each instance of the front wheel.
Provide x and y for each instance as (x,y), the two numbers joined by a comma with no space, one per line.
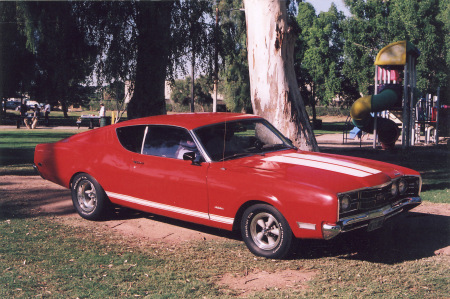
(89,198)
(266,232)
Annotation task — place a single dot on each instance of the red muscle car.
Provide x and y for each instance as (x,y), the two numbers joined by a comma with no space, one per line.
(230,171)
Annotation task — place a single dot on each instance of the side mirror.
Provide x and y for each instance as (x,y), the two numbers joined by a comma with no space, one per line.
(191,156)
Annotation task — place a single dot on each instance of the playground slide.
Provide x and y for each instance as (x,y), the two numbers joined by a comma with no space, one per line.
(360,112)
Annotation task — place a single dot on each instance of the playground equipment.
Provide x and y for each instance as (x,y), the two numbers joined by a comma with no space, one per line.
(431,119)
(395,82)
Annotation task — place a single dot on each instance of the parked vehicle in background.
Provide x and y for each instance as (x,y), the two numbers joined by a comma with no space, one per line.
(12,105)
(30,104)
(229,171)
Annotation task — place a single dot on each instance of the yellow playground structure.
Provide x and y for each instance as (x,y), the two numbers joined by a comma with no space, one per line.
(394,99)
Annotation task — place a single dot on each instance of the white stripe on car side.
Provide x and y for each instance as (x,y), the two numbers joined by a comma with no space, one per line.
(169,208)
(334,161)
(318,165)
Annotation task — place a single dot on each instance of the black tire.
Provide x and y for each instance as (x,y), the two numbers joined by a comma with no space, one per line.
(266,232)
(89,198)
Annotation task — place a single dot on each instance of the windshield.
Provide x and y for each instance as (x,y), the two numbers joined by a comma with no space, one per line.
(236,139)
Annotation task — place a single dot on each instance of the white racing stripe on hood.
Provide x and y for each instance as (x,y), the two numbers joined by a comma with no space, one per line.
(334,161)
(318,165)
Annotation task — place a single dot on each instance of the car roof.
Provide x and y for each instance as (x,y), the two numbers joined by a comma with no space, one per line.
(189,121)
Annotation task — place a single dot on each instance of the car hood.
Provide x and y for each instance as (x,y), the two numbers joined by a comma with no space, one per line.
(333,172)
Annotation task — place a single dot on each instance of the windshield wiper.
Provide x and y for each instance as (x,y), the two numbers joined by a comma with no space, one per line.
(274,147)
(237,155)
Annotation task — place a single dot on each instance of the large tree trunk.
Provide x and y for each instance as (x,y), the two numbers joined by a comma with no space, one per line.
(153,21)
(273,85)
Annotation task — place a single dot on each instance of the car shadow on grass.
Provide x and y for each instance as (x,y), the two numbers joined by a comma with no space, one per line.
(21,204)
(410,236)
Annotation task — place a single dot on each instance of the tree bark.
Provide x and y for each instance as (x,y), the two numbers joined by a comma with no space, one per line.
(274,91)
(153,23)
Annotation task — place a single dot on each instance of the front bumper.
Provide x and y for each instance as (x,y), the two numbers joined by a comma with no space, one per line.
(372,219)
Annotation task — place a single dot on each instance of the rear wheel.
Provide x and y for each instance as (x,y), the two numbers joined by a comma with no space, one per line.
(266,232)
(89,198)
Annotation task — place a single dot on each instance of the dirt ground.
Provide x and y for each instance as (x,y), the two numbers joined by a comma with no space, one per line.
(39,197)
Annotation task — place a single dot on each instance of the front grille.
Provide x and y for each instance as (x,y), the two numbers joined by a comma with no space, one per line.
(375,198)
(380,196)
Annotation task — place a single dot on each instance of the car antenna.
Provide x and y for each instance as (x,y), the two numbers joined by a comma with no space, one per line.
(223,151)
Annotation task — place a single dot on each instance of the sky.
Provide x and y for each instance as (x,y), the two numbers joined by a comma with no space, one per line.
(324,5)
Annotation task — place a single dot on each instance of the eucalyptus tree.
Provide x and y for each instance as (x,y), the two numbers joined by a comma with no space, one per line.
(273,84)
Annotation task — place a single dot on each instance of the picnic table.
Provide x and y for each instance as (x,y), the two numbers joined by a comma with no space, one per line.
(102,120)
(91,119)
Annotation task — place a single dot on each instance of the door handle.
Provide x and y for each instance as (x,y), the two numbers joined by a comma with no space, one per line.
(138,162)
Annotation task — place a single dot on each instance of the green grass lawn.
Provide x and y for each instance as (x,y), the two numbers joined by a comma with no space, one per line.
(333,128)
(41,258)
(17,147)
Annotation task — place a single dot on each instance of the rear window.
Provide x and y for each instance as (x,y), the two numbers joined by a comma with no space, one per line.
(131,137)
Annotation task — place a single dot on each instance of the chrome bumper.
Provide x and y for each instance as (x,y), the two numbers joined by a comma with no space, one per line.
(362,220)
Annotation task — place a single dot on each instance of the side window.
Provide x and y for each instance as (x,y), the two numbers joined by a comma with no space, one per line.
(131,137)
(169,142)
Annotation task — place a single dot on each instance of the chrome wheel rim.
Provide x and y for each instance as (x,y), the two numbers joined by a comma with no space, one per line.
(87,196)
(265,231)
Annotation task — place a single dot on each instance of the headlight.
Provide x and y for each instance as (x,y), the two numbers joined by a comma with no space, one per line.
(345,202)
(402,186)
(394,189)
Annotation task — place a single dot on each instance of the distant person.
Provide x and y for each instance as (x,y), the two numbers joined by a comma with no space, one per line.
(23,115)
(36,114)
(47,109)
(31,124)
(23,110)
(102,110)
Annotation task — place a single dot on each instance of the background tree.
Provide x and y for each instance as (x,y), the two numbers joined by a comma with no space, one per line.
(421,23)
(443,17)
(153,22)
(323,57)
(134,44)
(305,19)
(273,84)
(365,33)
(319,54)
(181,94)
(234,82)
(193,39)
(16,62)
(63,56)
(375,24)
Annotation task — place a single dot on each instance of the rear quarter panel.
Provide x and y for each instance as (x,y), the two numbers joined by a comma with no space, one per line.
(59,162)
